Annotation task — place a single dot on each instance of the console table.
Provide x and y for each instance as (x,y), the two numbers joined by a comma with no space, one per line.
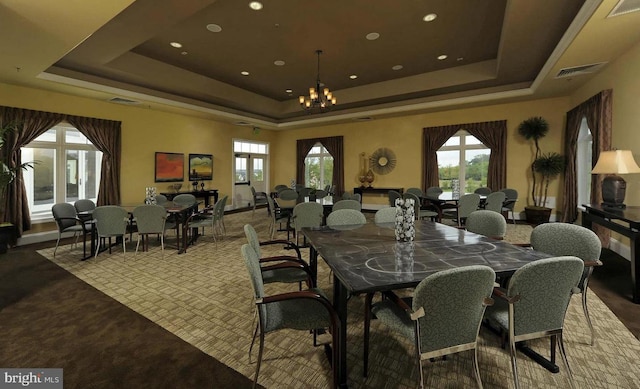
(205,194)
(626,222)
(362,190)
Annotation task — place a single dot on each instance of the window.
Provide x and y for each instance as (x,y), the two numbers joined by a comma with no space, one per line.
(463,160)
(318,167)
(68,168)
(584,163)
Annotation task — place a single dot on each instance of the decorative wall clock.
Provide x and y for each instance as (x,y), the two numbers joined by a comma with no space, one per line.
(383,161)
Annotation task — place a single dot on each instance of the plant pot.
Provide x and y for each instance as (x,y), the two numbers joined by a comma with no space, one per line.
(537,215)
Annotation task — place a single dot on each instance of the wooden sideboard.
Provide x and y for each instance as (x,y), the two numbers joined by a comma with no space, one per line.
(374,190)
(205,194)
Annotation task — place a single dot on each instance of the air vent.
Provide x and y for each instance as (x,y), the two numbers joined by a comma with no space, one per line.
(121,100)
(579,70)
(625,7)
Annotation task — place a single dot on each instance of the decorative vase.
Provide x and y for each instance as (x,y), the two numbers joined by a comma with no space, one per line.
(403,252)
(405,220)
(362,178)
(370,177)
(150,195)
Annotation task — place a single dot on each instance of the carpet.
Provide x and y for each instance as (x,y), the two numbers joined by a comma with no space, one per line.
(204,297)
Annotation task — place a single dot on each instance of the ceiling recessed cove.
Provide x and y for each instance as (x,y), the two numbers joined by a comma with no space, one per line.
(624,7)
(579,70)
(122,100)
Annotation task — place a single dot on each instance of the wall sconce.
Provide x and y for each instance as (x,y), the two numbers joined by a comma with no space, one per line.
(614,187)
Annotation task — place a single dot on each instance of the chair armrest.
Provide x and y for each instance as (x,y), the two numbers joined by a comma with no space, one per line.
(397,300)
(597,262)
(304,294)
(526,245)
(287,265)
(502,293)
(287,243)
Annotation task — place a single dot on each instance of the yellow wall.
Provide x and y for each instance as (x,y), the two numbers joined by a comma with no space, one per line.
(404,136)
(144,132)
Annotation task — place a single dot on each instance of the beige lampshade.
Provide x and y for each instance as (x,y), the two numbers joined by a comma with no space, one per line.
(616,162)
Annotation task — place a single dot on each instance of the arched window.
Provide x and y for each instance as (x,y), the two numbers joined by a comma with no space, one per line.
(318,167)
(584,163)
(463,159)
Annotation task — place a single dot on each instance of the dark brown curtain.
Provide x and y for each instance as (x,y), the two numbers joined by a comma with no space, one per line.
(598,112)
(334,145)
(30,124)
(106,137)
(491,134)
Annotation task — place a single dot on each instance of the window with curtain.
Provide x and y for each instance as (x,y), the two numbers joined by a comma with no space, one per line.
(68,168)
(583,163)
(318,170)
(463,158)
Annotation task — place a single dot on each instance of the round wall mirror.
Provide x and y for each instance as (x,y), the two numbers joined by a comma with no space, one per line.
(383,161)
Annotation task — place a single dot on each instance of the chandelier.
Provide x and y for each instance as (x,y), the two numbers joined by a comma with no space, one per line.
(318,100)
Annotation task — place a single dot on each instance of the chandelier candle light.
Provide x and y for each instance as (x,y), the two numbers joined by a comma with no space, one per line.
(317,100)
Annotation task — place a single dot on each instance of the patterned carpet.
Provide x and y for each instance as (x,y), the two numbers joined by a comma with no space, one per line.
(204,297)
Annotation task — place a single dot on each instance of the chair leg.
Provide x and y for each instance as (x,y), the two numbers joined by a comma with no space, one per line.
(260,350)
(367,324)
(335,360)
(57,243)
(255,332)
(514,365)
(138,244)
(585,309)
(476,368)
(565,361)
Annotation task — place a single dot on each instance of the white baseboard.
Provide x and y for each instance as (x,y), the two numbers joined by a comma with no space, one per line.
(40,237)
(620,249)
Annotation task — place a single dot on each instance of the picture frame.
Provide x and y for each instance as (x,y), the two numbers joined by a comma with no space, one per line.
(200,167)
(169,167)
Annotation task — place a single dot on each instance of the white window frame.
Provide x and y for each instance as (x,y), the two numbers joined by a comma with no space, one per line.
(324,153)
(584,155)
(462,148)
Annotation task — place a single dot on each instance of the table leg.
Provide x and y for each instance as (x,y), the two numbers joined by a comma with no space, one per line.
(93,243)
(340,296)
(635,268)
(313,264)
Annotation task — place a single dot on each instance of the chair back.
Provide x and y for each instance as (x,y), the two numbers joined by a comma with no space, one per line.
(84,205)
(494,201)
(567,239)
(161,199)
(280,188)
(223,204)
(307,215)
(545,287)
(393,195)
(150,218)
(487,223)
(347,204)
(342,217)
(288,194)
(416,203)
(483,190)
(454,302)
(385,215)
(253,191)
(252,239)
(111,220)
(320,194)
(433,191)
(304,192)
(185,199)
(511,197)
(252,262)
(415,191)
(467,204)
(64,214)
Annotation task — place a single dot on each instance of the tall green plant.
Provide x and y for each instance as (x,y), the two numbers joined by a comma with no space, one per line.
(549,166)
(7,172)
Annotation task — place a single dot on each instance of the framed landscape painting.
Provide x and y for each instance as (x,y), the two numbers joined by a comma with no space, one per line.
(200,167)
(169,167)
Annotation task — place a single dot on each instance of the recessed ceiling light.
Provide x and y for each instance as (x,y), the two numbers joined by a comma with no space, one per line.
(176,45)
(353,76)
(289,90)
(214,27)
(397,67)
(372,36)
(459,59)
(244,73)
(442,57)
(255,5)
(278,62)
(429,17)
(184,53)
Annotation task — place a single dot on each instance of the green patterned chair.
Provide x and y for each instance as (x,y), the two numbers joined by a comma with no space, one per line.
(347,204)
(510,202)
(277,217)
(494,202)
(385,215)
(111,222)
(306,215)
(444,316)
(534,305)
(488,223)
(571,239)
(467,204)
(420,213)
(272,268)
(346,217)
(393,195)
(67,221)
(150,220)
(303,310)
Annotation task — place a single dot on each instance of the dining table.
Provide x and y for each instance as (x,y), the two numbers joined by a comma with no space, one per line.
(367,259)
(446,200)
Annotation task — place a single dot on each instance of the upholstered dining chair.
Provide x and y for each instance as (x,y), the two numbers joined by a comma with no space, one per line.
(321,193)
(416,191)
(185,199)
(488,223)
(534,305)
(161,199)
(271,268)
(306,215)
(393,195)
(84,206)
(259,198)
(433,191)
(280,187)
(65,216)
(277,217)
(111,222)
(344,217)
(443,318)
(571,239)
(467,204)
(219,216)
(347,204)
(483,190)
(419,212)
(307,310)
(151,220)
(510,202)
(385,215)
(494,202)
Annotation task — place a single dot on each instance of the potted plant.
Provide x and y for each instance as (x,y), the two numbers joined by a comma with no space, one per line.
(7,173)
(544,168)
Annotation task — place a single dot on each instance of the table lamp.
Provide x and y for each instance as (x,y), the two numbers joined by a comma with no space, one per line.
(613,186)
